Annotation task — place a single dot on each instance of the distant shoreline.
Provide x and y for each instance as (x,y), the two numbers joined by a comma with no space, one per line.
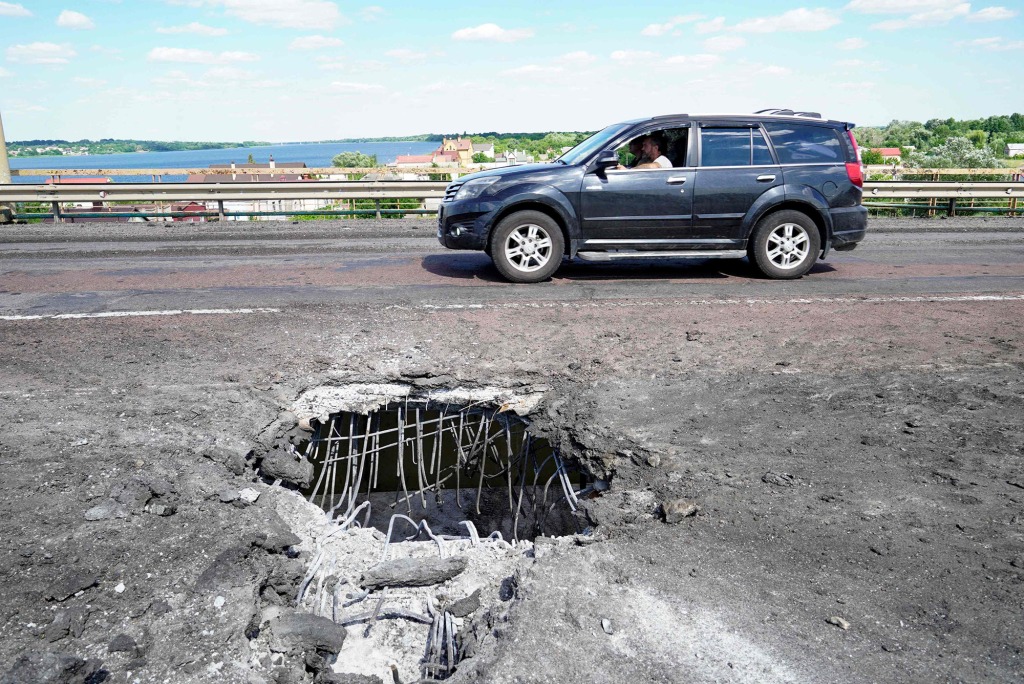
(80,148)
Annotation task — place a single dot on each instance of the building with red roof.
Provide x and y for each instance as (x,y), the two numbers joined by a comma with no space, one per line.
(888,153)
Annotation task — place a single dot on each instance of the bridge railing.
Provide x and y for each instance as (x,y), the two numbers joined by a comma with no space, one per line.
(439,172)
(259,199)
(345,198)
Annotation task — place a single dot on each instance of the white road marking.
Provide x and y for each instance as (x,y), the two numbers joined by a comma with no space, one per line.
(132,314)
(892,299)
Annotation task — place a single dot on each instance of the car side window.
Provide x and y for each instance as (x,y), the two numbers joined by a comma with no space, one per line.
(673,146)
(762,155)
(801,144)
(725,147)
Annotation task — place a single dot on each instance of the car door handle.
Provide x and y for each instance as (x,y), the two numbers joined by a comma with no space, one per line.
(675,180)
(766,178)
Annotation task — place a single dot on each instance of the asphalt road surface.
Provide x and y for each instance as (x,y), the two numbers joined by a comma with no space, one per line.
(847,448)
(91,268)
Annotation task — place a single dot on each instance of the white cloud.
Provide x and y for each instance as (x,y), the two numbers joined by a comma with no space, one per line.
(113,53)
(724,43)
(855,86)
(801,19)
(633,56)
(716,24)
(41,53)
(333,65)
(492,32)
(900,6)
(229,74)
(532,70)
(369,65)
(188,56)
(178,79)
(315,43)
(940,15)
(4,73)
(770,70)
(298,14)
(343,87)
(89,82)
(860,64)
(74,20)
(405,55)
(992,14)
(852,44)
(8,9)
(700,61)
(371,13)
(994,44)
(657,29)
(669,26)
(195,28)
(578,58)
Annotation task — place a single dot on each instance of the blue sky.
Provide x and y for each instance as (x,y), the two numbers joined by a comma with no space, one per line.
(297,70)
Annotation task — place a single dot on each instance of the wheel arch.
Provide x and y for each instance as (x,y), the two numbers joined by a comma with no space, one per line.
(532,204)
(820,218)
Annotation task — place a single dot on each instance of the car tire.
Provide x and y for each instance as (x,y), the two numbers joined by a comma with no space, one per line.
(785,244)
(527,247)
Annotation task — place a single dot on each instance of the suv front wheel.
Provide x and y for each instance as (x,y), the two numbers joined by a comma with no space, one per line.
(527,247)
(785,244)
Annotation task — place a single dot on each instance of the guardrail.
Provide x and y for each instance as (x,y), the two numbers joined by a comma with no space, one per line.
(99,194)
(334,192)
(936,174)
(245,171)
(948,190)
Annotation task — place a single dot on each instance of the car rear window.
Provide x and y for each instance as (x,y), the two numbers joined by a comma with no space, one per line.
(797,144)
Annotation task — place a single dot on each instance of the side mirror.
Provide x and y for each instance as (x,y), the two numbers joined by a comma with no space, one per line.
(606,160)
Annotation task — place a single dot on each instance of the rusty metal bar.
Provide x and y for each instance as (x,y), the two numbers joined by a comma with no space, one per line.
(340,453)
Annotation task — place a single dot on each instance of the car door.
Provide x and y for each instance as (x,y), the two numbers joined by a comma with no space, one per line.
(621,209)
(735,168)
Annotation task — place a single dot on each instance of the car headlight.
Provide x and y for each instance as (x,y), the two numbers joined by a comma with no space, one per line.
(475,187)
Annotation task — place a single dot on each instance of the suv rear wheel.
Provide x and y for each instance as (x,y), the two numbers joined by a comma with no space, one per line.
(785,244)
(527,247)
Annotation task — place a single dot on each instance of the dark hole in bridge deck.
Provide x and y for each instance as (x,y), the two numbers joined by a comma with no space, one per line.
(443,465)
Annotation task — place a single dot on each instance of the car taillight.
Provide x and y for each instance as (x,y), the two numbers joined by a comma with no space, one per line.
(853,169)
(854,172)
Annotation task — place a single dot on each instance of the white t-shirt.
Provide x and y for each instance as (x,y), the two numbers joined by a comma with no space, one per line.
(663,162)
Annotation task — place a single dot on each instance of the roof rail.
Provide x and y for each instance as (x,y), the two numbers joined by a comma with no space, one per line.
(788,112)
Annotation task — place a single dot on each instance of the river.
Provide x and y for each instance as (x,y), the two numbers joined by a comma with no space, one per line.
(315,155)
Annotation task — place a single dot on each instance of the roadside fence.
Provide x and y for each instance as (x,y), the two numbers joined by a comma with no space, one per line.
(379,197)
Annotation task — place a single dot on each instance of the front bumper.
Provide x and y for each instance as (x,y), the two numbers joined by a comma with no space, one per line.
(464,225)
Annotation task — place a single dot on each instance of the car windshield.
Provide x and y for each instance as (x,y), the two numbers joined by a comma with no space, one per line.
(595,142)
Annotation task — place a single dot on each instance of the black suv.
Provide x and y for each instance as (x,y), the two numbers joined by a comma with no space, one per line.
(777,186)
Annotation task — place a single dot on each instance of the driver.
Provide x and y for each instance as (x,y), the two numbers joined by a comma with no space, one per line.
(653,158)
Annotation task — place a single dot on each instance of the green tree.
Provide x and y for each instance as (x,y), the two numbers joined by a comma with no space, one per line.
(907,133)
(250,161)
(481,158)
(354,160)
(978,138)
(955,153)
(871,157)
